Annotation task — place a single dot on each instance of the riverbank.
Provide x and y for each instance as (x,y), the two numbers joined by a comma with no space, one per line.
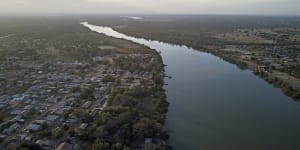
(214,104)
(288,84)
(271,51)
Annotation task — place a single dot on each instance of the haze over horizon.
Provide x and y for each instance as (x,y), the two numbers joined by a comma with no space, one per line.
(245,7)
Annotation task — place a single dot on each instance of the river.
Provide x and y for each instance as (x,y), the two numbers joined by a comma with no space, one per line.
(214,105)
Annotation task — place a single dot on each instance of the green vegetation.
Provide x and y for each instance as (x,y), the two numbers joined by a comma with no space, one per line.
(27,146)
(87,94)
(99,145)
(108,78)
(58,133)
(235,39)
(133,114)
(105,93)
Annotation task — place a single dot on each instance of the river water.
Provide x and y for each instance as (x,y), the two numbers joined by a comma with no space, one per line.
(214,105)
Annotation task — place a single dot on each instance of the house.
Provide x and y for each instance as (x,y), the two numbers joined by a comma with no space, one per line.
(46,144)
(28,101)
(2,137)
(18,98)
(28,107)
(18,119)
(87,104)
(21,137)
(16,112)
(61,104)
(28,138)
(25,113)
(64,146)
(94,112)
(40,122)
(52,99)
(33,128)
(59,111)
(12,128)
(72,119)
(51,118)
(148,140)
(83,126)
(34,102)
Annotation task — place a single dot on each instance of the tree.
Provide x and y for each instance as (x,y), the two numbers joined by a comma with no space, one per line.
(103,117)
(117,146)
(76,89)
(108,78)
(140,128)
(87,94)
(57,133)
(1,118)
(27,146)
(87,118)
(45,133)
(99,145)
(100,132)
(126,148)
(72,133)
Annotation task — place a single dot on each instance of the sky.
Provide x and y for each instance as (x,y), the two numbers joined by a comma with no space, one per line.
(255,7)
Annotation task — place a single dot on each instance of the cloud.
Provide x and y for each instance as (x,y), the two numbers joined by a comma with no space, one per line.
(101,1)
(15,2)
(152,6)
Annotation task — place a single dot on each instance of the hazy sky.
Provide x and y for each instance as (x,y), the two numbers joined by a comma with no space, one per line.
(270,7)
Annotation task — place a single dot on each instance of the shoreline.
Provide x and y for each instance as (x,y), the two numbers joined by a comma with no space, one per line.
(156,88)
(169,58)
(284,87)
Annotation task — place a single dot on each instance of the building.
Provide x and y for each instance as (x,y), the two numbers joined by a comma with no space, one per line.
(46,144)
(51,118)
(83,126)
(64,146)
(87,104)
(12,128)
(33,128)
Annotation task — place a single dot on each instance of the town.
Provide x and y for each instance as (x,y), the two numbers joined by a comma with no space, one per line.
(149,75)
(273,54)
(79,90)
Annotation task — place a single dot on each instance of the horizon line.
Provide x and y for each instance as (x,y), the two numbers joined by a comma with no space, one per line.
(147,14)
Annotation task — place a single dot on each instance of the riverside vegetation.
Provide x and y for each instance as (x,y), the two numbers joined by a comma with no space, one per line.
(267,45)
